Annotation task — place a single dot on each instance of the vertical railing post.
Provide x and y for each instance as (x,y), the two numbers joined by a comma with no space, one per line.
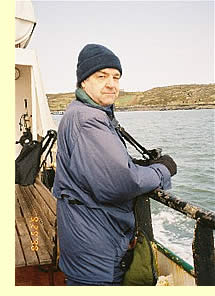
(144,215)
(203,255)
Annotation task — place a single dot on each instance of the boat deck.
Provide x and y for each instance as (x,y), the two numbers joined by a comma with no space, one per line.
(35,230)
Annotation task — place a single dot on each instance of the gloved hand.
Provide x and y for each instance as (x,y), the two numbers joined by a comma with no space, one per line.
(165,160)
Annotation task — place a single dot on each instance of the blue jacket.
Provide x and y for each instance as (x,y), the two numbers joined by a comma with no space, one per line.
(94,167)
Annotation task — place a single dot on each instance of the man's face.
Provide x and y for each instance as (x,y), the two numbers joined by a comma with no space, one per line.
(103,86)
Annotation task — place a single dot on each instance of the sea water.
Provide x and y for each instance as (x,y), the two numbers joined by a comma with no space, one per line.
(188,136)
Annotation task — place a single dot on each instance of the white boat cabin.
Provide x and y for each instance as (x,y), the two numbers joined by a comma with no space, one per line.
(32,110)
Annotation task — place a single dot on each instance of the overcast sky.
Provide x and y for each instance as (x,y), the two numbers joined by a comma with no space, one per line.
(159,43)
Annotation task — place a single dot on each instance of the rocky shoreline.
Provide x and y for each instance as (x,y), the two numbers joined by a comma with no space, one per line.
(153,108)
(165,108)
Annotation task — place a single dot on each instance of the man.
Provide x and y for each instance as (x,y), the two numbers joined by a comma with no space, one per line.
(96,180)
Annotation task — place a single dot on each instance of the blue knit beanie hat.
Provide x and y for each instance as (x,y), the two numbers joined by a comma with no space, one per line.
(94,57)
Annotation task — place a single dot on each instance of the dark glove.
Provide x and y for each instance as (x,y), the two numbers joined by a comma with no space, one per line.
(165,160)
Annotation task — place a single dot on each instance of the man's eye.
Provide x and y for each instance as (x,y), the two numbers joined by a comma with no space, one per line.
(101,76)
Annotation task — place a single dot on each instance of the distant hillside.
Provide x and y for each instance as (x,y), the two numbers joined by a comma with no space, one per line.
(187,96)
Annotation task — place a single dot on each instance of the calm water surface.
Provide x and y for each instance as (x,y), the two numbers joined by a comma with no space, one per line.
(188,136)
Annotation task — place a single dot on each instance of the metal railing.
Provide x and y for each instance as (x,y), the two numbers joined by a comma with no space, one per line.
(203,240)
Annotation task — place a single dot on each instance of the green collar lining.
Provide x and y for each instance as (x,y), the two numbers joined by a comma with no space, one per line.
(83,96)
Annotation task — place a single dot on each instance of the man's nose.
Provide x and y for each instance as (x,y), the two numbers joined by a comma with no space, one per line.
(110,81)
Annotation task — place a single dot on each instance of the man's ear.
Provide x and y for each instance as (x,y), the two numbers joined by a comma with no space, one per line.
(83,84)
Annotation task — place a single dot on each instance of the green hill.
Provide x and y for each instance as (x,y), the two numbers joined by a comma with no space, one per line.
(187,96)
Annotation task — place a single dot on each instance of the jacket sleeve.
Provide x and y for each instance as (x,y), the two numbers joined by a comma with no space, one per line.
(102,166)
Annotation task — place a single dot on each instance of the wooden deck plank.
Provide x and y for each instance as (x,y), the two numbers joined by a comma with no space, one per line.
(27,208)
(19,256)
(30,203)
(42,235)
(47,210)
(43,254)
(42,211)
(46,231)
(46,194)
(18,212)
(30,256)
